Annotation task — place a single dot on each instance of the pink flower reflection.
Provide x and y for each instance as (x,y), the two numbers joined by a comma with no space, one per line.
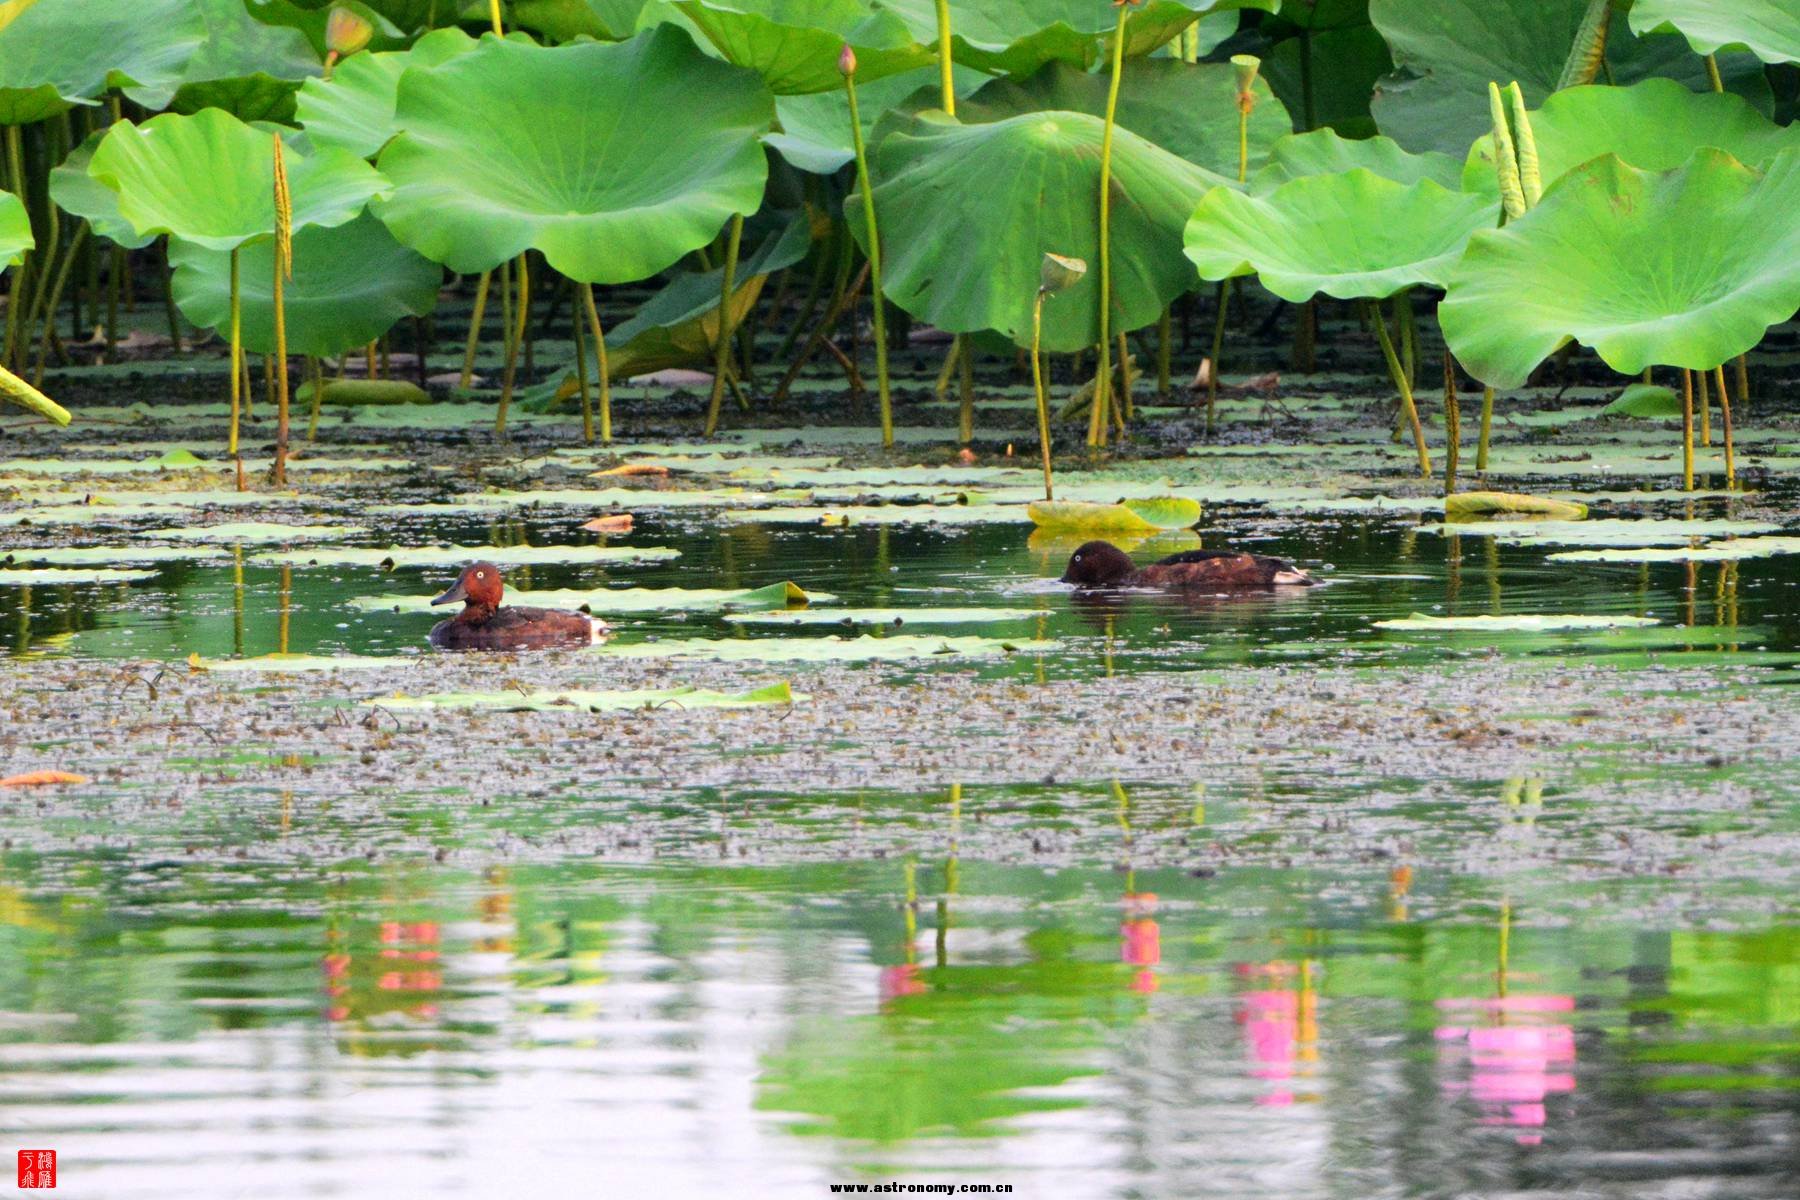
(901,979)
(1140,940)
(1518,1056)
(1281,1028)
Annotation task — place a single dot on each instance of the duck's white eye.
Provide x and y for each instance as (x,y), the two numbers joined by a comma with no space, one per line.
(1078,558)
(481,574)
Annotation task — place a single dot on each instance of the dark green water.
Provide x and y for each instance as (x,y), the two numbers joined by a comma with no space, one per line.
(188,1006)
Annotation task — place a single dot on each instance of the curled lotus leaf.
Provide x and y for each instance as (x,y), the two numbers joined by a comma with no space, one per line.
(794,44)
(1324,152)
(1769,29)
(1685,268)
(614,160)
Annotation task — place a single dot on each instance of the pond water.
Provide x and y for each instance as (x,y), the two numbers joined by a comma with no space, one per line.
(207,985)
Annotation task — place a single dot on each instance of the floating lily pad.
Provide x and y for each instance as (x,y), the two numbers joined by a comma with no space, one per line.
(1729,551)
(860,649)
(253,531)
(1532,623)
(54,575)
(107,554)
(885,616)
(577,700)
(625,600)
(884,514)
(444,556)
(1647,401)
(1466,504)
(1128,516)
(1609,532)
(284,663)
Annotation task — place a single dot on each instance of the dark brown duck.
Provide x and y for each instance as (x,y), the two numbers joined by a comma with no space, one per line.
(1103,565)
(484,625)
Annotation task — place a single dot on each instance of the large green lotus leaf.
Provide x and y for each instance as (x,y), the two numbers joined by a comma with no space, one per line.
(1655,124)
(814,133)
(1448,51)
(354,109)
(1188,109)
(54,53)
(75,191)
(351,284)
(15,229)
(1327,78)
(1683,268)
(1769,29)
(244,66)
(578,700)
(614,160)
(794,44)
(210,179)
(1350,236)
(969,211)
(1323,152)
(565,20)
(1016,37)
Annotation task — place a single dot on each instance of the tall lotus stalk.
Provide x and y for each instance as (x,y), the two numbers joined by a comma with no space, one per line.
(1725,422)
(1521,186)
(722,346)
(1452,425)
(1098,418)
(1687,430)
(237,361)
(601,368)
(521,313)
(284,271)
(847,68)
(1409,411)
(1245,67)
(946,80)
(475,318)
(959,346)
(10,355)
(1058,274)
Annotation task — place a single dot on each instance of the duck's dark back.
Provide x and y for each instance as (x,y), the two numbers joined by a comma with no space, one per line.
(516,629)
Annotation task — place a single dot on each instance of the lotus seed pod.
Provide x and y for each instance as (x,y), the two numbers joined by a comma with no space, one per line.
(346,32)
(1245,66)
(846,61)
(1060,273)
(1506,167)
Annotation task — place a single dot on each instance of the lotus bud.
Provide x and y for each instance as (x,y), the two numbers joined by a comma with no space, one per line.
(1531,179)
(1246,66)
(1060,273)
(347,31)
(1506,166)
(846,61)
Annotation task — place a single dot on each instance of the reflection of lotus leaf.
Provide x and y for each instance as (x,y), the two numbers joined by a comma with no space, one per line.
(1684,268)
(614,160)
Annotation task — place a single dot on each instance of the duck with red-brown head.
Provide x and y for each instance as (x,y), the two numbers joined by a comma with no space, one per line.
(1101,565)
(484,624)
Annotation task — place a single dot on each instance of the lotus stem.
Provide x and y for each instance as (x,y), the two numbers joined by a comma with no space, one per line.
(1409,335)
(874,236)
(1587,54)
(1687,429)
(494,14)
(821,333)
(481,298)
(22,393)
(942,388)
(601,367)
(46,260)
(1712,73)
(1037,383)
(1408,411)
(237,357)
(1245,67)
(284,270)
(1487,428)
(115,275)
(315,376)
(965,421)
(1165,329)
(1743,383)
(946,79)
(1103,373)
(1218,348)
(1705,405)
(168,282)
(1122,404)
(522,311)
(722,344)
(1725,422)
(814,291)
(1452,424)
(581,382)
(56,291)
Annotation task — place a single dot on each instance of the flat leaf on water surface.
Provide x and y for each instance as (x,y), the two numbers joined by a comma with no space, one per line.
(1447,52)
(107,555)
(812,649)
(446,556)
(1532,623)
(1468,504)
(15,230)
(354,109)
(1600,532)
(1129,516)
(57,575)
(1647,401)
(54,53)
(794,44)
(209,179)
(1727,551)
(1014,190)
(1188,109)
(891,617)
(1769,29)
(1685,268)
(628,600)
(599,498)
(1016,37)
(351,284)
(1351,236)
(1655,125)
(614,160)
(880,514)
(577,700)
(286,663)
(253,531)
(1323,152)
